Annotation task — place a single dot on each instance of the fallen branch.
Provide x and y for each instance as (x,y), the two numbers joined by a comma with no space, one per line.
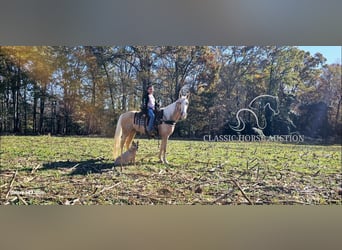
(257,173)
(35,168)
(223,196)
(243,192)
(21,199)
(34,177)
(106,188)
(293,201)
(11,184)
(72,168)
(14,199)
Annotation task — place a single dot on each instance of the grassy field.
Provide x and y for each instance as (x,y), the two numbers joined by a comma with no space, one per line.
(79,170)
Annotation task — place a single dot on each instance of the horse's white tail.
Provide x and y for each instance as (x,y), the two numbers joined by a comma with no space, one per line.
(117,138)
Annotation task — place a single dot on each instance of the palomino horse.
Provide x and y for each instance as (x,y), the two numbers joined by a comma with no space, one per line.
(126,128)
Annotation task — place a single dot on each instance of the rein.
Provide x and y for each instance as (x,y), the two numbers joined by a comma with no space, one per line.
(169,122)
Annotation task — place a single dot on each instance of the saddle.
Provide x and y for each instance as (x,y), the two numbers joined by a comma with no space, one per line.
(141,119)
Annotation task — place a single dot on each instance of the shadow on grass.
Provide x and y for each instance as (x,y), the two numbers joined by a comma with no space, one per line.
(91,166)
(80,167)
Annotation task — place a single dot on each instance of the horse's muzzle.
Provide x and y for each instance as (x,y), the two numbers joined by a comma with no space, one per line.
(183,115)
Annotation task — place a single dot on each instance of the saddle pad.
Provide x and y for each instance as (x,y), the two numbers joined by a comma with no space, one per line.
(140,119)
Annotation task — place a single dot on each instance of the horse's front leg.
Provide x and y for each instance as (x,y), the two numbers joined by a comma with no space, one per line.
(162,152)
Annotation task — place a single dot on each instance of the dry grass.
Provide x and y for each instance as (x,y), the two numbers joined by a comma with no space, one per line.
(78,170)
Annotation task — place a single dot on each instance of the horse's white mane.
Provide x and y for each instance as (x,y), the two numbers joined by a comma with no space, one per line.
(169,109)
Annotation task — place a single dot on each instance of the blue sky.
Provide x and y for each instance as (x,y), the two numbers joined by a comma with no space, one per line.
(331,53)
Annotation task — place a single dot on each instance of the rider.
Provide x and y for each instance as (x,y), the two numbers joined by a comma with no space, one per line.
(150,105)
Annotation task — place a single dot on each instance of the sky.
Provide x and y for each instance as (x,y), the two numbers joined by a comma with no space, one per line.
(333,54)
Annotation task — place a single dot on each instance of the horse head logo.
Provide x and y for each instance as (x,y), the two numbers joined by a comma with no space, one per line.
(260,102)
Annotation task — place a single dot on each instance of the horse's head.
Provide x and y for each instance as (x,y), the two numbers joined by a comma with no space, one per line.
(273,105)
(182,105)
(269,101)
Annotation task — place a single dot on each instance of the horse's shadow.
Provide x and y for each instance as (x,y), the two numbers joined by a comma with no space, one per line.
(93,166)
(80,167)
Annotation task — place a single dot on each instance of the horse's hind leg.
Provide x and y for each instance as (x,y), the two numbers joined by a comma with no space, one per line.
(122,142)
(130,138)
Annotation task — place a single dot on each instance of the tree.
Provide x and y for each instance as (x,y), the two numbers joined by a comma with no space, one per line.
(332,79)
(84,89)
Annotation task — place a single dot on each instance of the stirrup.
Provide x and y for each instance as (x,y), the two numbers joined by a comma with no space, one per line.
(150,134)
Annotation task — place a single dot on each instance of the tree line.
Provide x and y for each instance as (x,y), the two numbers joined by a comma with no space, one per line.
(83,89)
